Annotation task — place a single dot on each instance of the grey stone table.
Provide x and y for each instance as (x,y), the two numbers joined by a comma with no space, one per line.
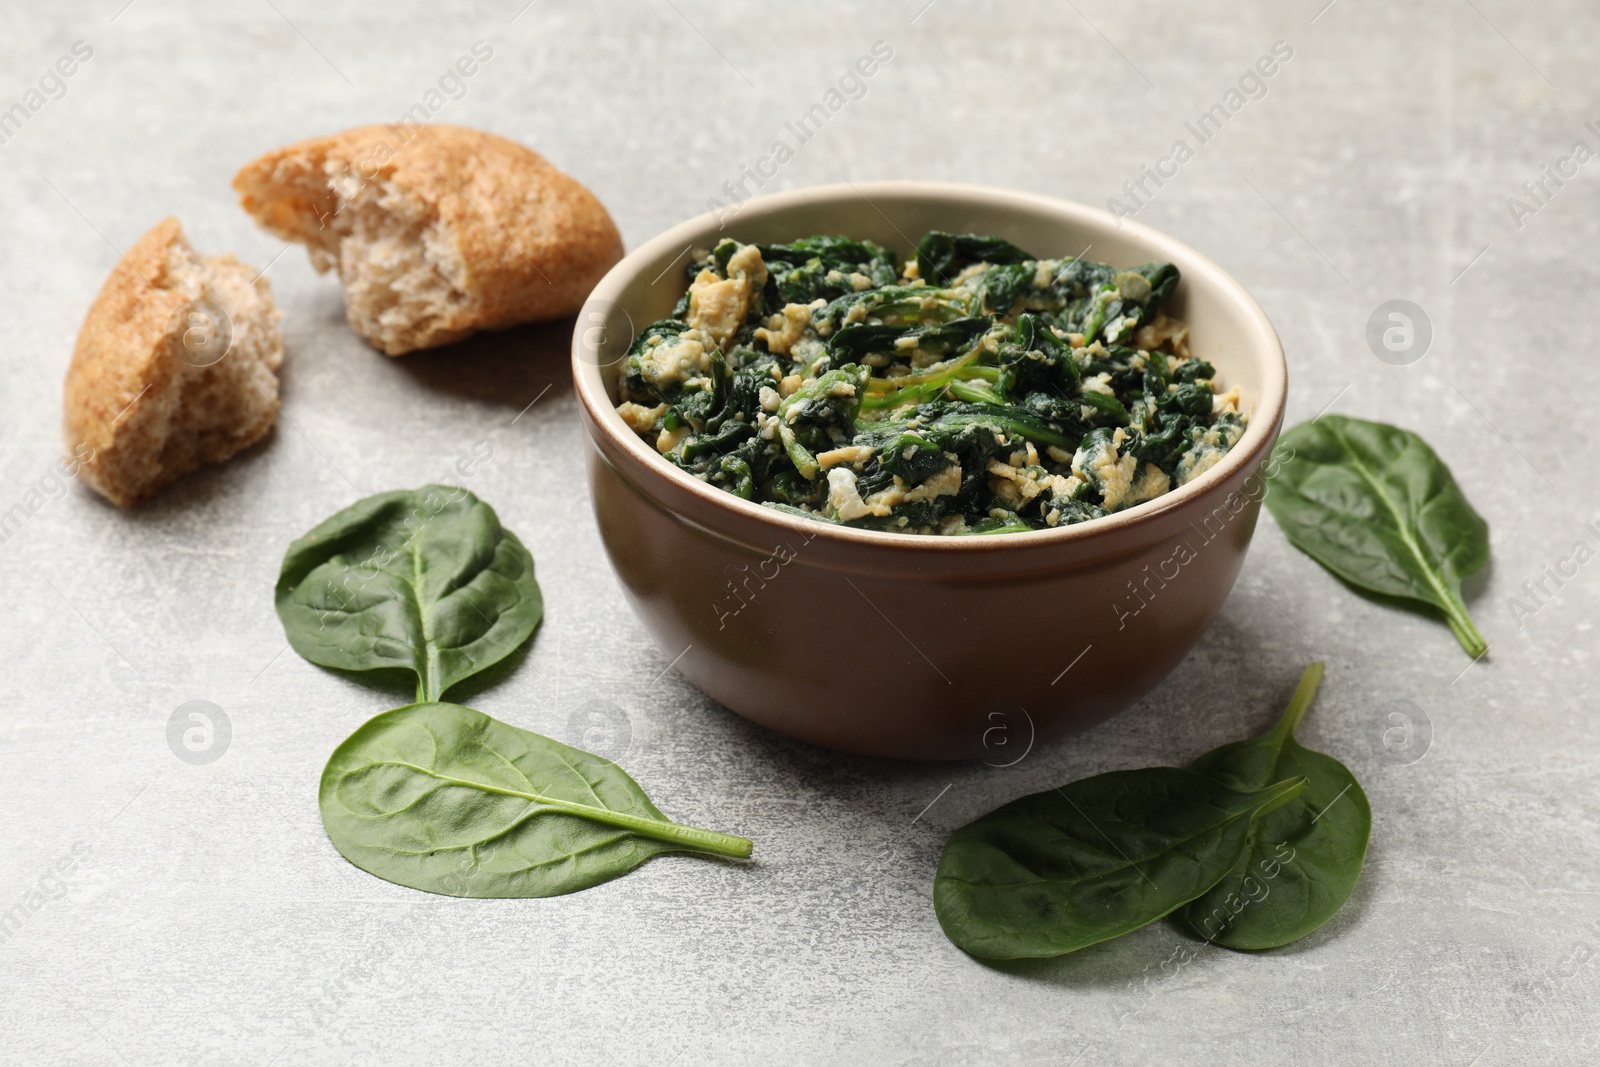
(182,912)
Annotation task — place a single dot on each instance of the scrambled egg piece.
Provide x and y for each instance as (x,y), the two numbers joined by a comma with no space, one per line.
(668,361)
(718,306)
(785,328)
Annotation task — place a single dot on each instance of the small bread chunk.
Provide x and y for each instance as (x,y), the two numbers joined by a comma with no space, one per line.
(174,367)
(437,231)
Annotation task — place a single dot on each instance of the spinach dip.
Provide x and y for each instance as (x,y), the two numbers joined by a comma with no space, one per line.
(975,389)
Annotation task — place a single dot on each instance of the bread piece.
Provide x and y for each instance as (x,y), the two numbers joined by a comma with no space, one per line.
(173,367)
(437,231)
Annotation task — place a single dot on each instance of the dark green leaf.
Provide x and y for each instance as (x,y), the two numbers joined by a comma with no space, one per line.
(1376,506)
(850,343)
(445,799)
(1302,860)
(425,580)
(1064,869)
(1105,404)
(820,267)
(941,256)
(978,329)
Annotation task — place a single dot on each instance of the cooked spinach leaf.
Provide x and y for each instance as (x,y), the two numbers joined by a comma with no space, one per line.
(1301,861)
(814,268)
(445,799)
(1376,506)
(425,580)
(787,370)
(941,256)
(1061,870)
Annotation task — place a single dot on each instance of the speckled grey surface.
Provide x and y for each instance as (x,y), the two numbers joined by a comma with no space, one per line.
(206,919)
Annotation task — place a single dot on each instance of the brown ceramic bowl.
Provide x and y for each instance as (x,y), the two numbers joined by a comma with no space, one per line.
(909,646)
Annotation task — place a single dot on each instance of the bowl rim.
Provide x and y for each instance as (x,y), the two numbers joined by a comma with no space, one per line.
(1260,432)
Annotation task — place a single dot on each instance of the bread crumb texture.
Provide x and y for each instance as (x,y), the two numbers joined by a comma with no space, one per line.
(436,231)
(174,367)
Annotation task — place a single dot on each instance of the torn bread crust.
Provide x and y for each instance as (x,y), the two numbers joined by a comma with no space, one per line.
(436,231)
(143,405)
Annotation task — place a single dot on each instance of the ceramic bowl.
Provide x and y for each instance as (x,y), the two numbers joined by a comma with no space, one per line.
(908,646)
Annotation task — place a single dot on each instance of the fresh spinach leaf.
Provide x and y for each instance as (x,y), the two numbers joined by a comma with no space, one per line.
(1376,506)
(1301,861)
(445,799)
(425,580)
(1070,867)
(436,796)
